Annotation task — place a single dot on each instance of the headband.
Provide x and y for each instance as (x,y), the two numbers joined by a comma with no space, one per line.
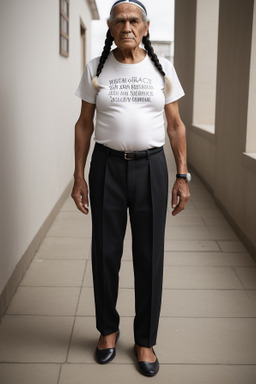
(135,2)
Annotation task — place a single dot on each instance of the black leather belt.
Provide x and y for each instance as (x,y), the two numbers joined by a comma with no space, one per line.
(129,155)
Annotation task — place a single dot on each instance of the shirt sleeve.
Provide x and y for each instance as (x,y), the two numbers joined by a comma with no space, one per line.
(85,89)
(176,89)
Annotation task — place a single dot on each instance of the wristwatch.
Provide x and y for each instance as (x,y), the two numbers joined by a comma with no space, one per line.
(186,176)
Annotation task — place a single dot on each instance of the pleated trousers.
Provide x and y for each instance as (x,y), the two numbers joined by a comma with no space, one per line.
(140,187)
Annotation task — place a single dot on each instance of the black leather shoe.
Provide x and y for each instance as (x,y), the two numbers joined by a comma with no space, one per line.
(146,368)
(104,356)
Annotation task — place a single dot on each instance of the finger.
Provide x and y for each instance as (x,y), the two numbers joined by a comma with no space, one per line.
(181,206)
(83,207)
(177,210)
(85,201)
(174,198)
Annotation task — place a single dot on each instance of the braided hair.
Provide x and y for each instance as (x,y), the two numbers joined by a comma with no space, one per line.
(150,50)
(106,50)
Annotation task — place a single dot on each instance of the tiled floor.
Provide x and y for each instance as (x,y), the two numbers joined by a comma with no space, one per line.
(207,332)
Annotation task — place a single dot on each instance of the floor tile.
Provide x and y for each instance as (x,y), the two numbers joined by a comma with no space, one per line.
(34,339)
(220,220)
(207,341)
(247,277)
(29,373)
(238,259)
(127,252)
(63,248)
(194,258)
(84,340)
(252,295)
(71,224)
(231,246)
(54,273)
(200,278)
(191,245)
(204,204)
(201,212)
(177,221)
(88,280)
(209,259)
(86,302)
(44,301)
(201,233)
(126,275)
(222,232)
(207,303)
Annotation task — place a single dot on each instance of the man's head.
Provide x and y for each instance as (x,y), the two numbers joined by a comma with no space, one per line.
(128,23)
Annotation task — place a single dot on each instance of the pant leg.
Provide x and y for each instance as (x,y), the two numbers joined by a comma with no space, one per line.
(148,216)
(107,185)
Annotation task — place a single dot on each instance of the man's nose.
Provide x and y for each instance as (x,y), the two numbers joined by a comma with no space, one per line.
(127,26)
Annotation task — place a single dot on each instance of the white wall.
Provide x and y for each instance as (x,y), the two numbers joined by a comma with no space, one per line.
(37,117)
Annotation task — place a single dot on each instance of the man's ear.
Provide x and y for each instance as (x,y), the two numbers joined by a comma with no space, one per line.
(109,25)
(147,28)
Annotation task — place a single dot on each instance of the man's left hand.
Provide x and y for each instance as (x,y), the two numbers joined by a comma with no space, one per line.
(180,196)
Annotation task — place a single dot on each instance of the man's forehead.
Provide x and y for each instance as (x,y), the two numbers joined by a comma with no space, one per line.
(130,10)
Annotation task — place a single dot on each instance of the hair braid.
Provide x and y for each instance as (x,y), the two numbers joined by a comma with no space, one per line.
(106,50)
(149,48)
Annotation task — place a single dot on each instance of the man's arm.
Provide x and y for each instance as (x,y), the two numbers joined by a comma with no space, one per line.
(83,132)
(176,131)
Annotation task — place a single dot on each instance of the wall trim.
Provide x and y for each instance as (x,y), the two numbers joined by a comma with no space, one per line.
(249,161)
(24,262)
(251,248)
(203,132)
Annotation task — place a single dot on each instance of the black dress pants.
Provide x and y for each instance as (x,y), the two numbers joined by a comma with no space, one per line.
(139,186)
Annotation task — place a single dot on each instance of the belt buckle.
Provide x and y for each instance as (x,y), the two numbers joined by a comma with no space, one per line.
(126,156)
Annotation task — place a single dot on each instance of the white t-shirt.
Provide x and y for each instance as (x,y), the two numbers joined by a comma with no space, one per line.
(130,103)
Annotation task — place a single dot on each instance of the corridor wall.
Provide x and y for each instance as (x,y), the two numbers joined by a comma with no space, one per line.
(38,113)
(220,157)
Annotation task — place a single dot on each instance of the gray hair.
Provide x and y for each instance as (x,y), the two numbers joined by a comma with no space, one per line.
(112,16)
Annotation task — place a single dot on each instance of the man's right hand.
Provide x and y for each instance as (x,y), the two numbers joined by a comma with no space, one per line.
(80,195)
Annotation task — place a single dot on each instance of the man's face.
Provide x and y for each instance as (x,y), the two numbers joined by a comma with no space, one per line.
(128,27)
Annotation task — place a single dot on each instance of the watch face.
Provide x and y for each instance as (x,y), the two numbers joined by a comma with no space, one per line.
(189,177)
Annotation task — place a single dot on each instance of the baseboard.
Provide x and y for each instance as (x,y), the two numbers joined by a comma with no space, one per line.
(28,256)
(251,248)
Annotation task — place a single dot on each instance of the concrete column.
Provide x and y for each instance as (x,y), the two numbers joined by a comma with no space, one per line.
(233,183)
(184,53)
(218,156)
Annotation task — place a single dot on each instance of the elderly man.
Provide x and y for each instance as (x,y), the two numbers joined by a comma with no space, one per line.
(130,88)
